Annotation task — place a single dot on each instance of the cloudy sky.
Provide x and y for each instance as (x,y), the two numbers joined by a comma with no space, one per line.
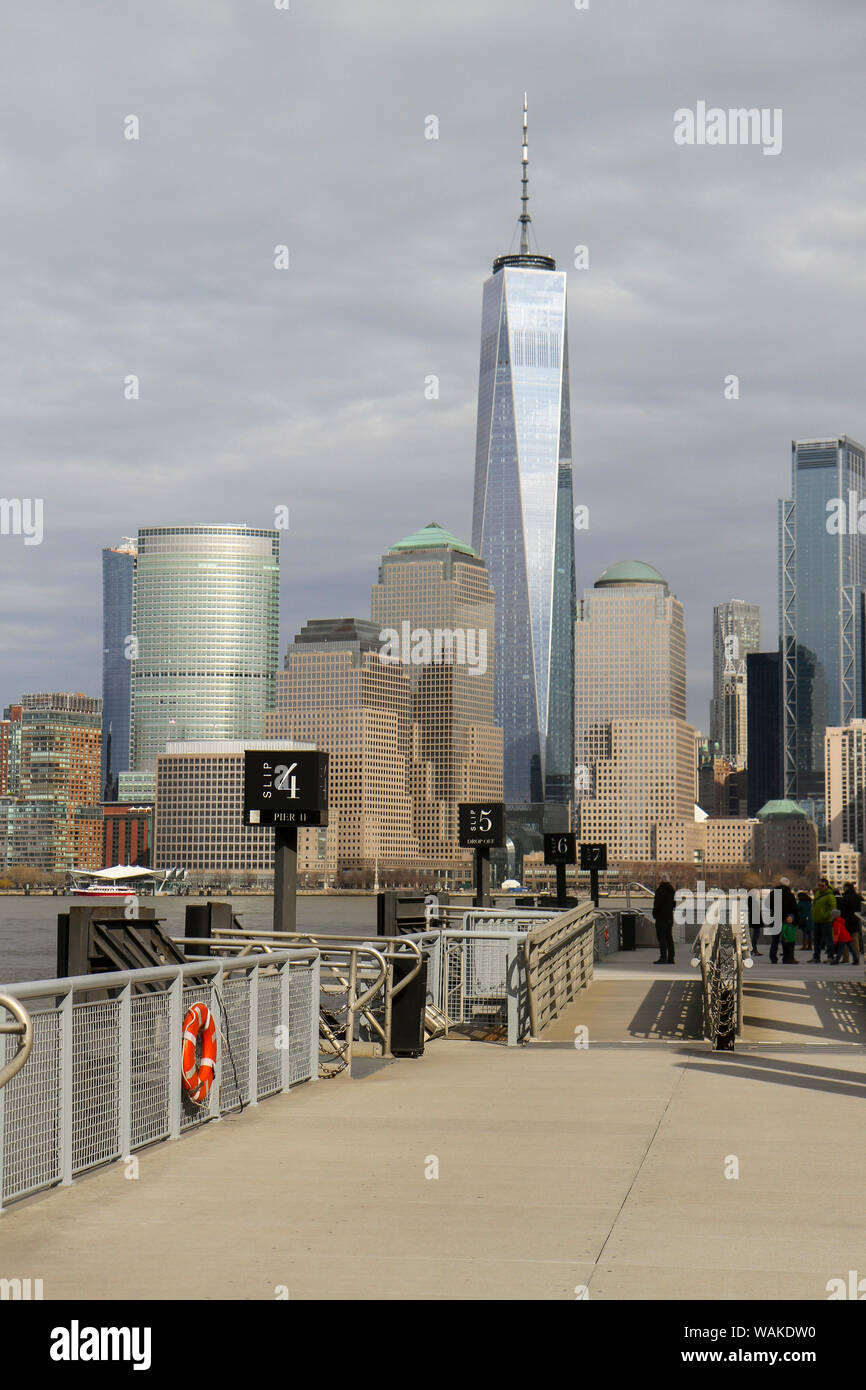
(261,388)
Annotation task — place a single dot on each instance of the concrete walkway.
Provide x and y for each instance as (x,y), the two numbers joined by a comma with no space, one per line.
(634,1000)
(557,1168)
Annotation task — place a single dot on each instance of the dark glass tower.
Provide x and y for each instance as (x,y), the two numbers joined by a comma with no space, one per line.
(118,571)
(822,574)
(763,724)
(523,516)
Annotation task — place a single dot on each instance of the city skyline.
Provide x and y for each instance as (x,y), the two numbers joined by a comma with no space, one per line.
(702,263)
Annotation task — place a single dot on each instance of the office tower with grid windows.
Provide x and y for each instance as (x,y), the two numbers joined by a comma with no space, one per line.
(336,691)
(10,750)
(118,572)
(60,759)
(643,781)
(845,771)
(736,634)
(633,747)
(523,514)
(629,659)
(822,598)
(206,628)
(198,818)
(434,611)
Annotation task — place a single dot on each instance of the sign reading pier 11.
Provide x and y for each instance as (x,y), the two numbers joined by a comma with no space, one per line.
(286,790)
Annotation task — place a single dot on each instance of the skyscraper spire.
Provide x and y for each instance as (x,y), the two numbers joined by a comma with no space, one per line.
(524,257)
(524,218)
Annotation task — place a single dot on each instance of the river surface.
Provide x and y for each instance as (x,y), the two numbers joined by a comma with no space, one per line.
(28,926)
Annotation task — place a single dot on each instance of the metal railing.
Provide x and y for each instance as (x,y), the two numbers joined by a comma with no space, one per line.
(104,1075)
(722,950)
(22,1028)
(348,998)
(480,981)
(479,977)
(606,933)
(495,918)
(559,964)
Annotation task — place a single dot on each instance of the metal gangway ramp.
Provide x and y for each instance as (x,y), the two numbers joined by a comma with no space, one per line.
(722,950)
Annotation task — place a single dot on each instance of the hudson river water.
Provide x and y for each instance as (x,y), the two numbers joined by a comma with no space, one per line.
(28,926)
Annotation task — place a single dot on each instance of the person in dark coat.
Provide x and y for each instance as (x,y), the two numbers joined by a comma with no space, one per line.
(804,908)
(789,915)
(850,904)
(663,915)
(755,918)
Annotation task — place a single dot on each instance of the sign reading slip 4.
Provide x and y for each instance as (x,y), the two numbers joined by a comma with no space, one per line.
(288,788)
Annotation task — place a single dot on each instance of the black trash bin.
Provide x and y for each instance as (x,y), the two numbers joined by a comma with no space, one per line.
(407,1010)
(627,927)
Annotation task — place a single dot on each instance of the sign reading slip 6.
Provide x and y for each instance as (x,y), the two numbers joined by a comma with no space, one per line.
(560,848)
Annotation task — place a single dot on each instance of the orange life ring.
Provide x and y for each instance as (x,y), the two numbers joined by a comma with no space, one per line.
(198,1080)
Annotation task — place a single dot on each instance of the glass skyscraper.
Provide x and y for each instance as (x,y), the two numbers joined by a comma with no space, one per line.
(764,744)
(822,573)
(523,515)
(118,570)
(206,622)
(736,634)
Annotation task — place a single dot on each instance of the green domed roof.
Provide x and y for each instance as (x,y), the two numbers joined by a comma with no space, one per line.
(630,572)
(433,537)
(780,808)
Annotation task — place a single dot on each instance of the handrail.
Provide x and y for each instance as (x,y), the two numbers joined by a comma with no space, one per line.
(722,980)
(118,979)
(246,942)
(23,1028)
(231,935)
(552,940)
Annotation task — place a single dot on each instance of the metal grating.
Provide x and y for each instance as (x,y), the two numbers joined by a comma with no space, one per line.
(150,1069)
(95,1083)
(300,1024)
(475,981)
(197,1114)
(37,1149)
(31,1120)
(234,1040)
(269,1079)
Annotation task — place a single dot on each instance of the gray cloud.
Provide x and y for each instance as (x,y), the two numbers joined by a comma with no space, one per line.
(260,387)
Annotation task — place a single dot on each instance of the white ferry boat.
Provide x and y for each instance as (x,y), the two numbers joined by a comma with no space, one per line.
(102,890)
(104,884)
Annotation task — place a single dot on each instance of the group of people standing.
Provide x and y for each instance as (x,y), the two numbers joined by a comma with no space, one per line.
(829,922)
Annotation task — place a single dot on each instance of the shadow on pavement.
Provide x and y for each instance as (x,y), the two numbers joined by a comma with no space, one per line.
(805,1075)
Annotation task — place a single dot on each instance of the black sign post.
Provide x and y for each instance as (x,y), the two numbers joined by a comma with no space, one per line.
(286,790)
(481,826)
(560,850)
(594,858)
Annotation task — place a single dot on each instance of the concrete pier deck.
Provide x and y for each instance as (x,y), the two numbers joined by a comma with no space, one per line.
(633,1000)
(558,1169)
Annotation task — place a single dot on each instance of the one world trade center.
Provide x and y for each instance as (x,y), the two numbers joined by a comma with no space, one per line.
(523,515)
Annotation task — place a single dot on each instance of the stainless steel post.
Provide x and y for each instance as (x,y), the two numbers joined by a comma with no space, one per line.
(285,877)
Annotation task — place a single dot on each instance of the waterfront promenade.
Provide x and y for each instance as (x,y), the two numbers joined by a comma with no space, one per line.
(558,1168)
